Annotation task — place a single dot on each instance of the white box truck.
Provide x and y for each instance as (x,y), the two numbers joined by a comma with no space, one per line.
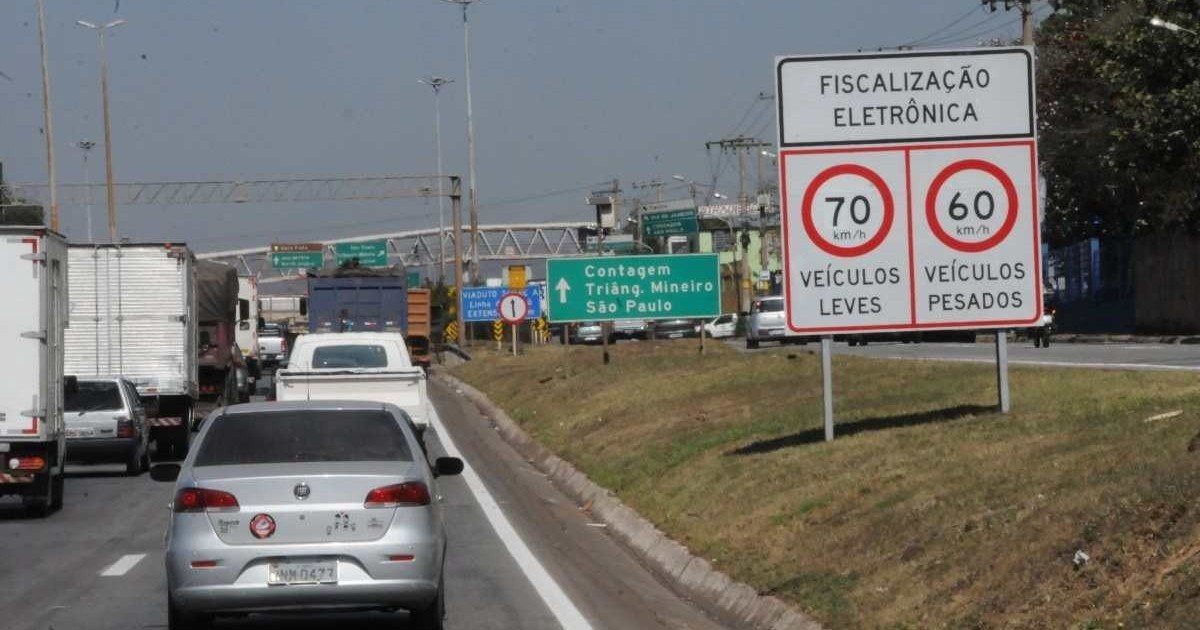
(33,281)
(247,331)
(134,315)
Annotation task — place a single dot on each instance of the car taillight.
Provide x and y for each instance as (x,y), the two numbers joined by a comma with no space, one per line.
(34,464)
(205,500)
(401,494)
(124,428)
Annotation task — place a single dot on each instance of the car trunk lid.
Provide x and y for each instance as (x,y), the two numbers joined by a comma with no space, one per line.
(302,503)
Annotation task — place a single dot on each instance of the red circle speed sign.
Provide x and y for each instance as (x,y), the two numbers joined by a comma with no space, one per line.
(982,205)
(513,308)
(869,241)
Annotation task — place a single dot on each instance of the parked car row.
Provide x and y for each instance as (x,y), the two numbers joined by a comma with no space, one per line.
(627,329)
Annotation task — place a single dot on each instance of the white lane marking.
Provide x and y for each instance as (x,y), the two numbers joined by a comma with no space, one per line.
(556,600)
(1074,364)
(123,566)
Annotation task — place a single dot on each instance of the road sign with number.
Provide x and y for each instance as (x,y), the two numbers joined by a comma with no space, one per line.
(513,308)
(895,222)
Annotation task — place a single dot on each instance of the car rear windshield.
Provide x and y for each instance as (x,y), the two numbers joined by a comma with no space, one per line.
(94,396)
(350,356)
(768,306)
(279,437)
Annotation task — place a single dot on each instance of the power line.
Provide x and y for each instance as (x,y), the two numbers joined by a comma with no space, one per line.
(941,30)
(974,35)
(989,18)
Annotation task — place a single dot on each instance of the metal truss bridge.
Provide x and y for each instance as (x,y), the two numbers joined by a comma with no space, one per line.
(422,248)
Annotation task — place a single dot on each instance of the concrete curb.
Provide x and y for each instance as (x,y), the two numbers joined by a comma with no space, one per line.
(729,601)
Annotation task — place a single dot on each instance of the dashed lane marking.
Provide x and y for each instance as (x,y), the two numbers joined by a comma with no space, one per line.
(123,566)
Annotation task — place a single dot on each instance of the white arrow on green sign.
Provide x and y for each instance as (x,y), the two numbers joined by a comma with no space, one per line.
(633,287)
(368,253)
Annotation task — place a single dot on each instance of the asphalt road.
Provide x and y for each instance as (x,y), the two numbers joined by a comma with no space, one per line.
(1128,356)
(521,554)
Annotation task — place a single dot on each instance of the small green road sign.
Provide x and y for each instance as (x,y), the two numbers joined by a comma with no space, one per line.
(297,255)
(670,223)
(414,279)
(633,287)
(368,253)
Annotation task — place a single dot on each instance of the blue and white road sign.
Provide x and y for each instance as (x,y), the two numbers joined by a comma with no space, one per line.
(482,304)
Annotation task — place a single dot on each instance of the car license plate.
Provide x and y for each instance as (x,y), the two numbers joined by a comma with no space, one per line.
(80,432)
(302,572)
(775,333)
(675,336)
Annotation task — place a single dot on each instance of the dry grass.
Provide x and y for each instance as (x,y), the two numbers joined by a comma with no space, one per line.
(930,511)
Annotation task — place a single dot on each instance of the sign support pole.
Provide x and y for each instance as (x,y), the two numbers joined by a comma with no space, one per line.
(827,383)
(702,337)
(514,339)
(1002,370)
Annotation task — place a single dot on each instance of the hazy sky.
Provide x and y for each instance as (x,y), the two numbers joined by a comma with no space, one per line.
(567,94)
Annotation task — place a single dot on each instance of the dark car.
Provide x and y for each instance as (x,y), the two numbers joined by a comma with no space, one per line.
(672,329)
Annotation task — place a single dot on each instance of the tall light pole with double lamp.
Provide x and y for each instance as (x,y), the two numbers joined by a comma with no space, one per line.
(108,166)
(437,83)
(1170,26)
(471,190)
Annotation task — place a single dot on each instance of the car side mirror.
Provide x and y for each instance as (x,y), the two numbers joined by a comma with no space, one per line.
(164,472)
(448,466)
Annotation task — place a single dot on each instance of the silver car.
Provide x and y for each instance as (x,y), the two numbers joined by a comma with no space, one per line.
(305,506)
(106,423)
(767,323)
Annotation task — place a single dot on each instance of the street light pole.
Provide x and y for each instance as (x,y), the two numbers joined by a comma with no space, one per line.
(47,120)
(437,83)
(471,191)
(87,146)
(108,165)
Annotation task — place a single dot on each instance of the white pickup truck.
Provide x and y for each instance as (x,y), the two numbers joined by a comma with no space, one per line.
(372,366)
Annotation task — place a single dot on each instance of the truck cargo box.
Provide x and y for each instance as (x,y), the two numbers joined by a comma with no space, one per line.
(134,315)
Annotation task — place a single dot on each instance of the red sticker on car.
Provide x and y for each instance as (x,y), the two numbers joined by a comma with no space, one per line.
(262,526)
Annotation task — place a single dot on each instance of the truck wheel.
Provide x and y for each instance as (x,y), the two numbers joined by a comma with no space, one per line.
(56,501)
(40,505)
(751,343)
(133,466)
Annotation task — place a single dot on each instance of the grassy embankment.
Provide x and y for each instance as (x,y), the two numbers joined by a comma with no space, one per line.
(930,510)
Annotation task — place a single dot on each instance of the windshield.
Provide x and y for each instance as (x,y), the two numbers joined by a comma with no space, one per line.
(350,356)
(95,396)
(278,437)
(768,306)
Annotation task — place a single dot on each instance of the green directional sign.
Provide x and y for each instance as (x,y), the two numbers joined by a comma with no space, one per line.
(670,223)
(297,255)
(633,287)
(368,253)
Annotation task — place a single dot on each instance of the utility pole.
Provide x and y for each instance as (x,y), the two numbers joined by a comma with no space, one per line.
(437,83)
(1026,9)
(656,184)
(87,146)
(742,145)
(47,120)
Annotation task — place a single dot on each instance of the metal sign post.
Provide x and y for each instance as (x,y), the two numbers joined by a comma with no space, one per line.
(827,383)
(1002,370)
(514,340)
